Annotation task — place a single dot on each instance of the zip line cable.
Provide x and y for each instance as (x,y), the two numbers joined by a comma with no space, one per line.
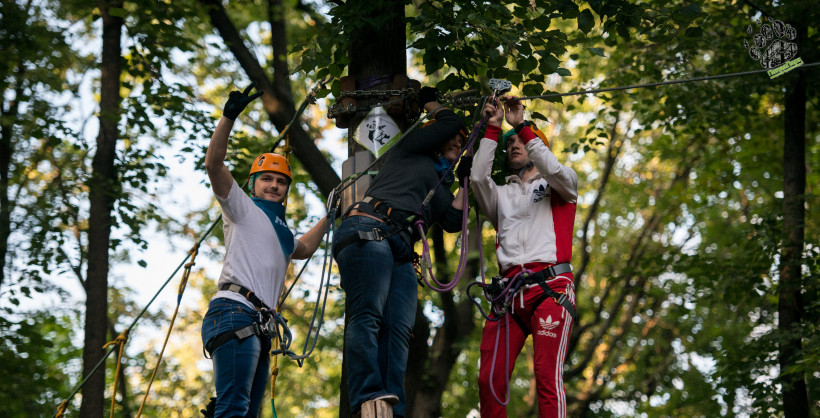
(659,83)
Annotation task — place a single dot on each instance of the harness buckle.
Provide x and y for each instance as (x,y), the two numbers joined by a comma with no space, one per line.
(373,235)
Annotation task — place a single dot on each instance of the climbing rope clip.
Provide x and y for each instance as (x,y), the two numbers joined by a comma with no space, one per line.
(499,86)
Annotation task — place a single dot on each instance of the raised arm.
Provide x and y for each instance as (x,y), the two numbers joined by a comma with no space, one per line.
(218,173)
(484,188)
(561,178)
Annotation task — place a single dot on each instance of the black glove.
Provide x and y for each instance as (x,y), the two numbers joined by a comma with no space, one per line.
(210,410)
(464,167)
(237,101)
(428,94)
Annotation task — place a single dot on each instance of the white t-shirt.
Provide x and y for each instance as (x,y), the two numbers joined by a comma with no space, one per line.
(253,256)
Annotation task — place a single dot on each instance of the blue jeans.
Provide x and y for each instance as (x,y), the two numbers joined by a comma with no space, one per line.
(381,296)
(240,367)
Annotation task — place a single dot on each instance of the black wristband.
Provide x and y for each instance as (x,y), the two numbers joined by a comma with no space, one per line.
(521,126)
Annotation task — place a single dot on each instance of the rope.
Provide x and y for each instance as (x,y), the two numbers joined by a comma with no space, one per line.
(506,361)
(321,299)
(286,150)
(119,342)
(642,85)
(274,373)
(182,284)
(462,262)
(61,409)
(309,99)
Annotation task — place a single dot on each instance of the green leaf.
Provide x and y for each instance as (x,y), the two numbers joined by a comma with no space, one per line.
(532,90)
(563,72)
(549,64)
(142,263)
(597,51)
(691,9)
(527,65)
(539,116)
(586,21)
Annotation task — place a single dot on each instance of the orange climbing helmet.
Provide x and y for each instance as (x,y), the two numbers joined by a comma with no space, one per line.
(270,162)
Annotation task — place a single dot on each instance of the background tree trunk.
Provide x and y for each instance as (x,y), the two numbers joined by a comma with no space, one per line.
(102,193)
(790,302)
(278,99)
(7,116)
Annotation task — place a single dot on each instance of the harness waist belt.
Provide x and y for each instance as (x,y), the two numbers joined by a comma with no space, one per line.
(247,293)
(548,273)
(540,279)
(378,209)
(240,334)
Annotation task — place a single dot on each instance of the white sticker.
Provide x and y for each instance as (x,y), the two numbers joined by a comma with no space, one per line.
(377,132)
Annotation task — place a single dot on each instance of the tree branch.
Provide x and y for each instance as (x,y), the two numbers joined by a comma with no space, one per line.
(277,100)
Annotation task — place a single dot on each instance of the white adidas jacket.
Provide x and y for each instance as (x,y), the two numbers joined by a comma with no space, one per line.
(533,220)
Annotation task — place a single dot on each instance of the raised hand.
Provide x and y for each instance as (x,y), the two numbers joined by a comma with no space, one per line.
(495,113)
(238,101)
(514,110)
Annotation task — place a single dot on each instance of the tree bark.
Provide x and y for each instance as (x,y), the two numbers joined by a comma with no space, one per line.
(378,51)
(102,194)
(7,116)
(790,303)
(277,100)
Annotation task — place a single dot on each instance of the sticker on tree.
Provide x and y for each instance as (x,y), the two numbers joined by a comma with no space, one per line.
(377,132)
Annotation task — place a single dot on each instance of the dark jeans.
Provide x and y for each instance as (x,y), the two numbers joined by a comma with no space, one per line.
(381,296)
(240,367)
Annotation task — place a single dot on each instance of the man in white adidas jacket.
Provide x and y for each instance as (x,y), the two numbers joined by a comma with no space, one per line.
(533,214)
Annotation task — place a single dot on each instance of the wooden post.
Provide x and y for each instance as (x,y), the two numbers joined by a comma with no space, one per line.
(377,408)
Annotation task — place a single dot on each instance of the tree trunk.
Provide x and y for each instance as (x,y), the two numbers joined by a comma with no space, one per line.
(102,192)
(790,303)
(374,52)
(7,116)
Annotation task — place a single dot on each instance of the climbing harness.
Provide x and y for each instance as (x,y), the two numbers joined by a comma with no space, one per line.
(380,210)
(540,278)
(501,295)
(262,326)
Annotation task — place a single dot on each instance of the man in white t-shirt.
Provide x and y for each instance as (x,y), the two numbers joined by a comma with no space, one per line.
(258,247)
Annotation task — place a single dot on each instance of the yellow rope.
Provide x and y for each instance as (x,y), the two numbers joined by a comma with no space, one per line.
(182,284)
(61,409)
(119,341)
(274,373)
